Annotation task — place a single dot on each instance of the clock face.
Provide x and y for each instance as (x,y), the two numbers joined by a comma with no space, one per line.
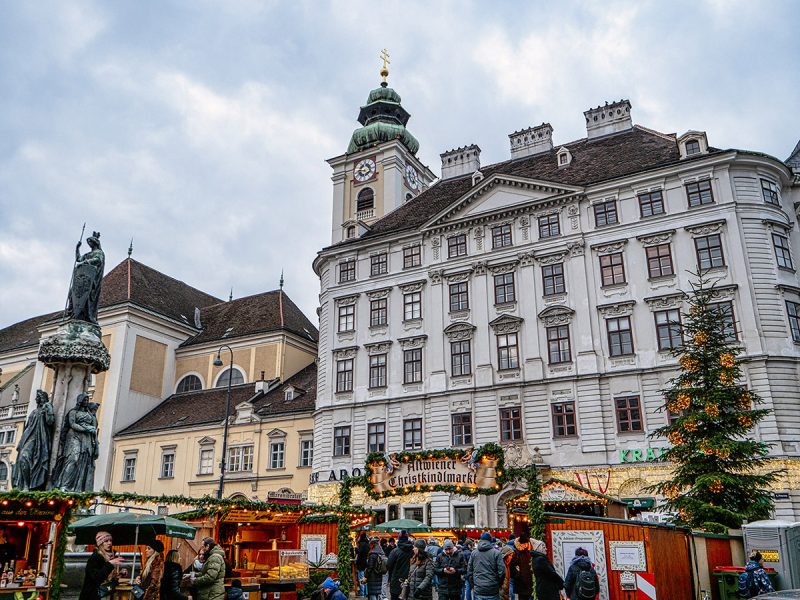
(364,170)
(411,177)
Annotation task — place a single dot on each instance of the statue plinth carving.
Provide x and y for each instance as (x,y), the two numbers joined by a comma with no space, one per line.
(59,444)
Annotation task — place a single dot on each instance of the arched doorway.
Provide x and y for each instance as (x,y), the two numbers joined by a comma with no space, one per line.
(500,512)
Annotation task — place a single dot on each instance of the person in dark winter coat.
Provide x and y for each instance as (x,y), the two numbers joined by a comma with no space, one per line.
(362,551)
(754,581)
(235,592)
(420,573)
(548,581)
(486,570)
(331,590)
(100,567)
(398,565)
(390,545)
(171,580)
(520,567)
(579,563)
(450,567)
(372,572)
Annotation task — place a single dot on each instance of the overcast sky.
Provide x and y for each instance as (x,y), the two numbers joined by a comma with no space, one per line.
(200,129)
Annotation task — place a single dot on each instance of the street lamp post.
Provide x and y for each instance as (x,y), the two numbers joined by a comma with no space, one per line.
(222,463)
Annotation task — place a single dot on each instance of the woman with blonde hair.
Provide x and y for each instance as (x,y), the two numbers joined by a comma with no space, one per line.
(150,579)
(171,581)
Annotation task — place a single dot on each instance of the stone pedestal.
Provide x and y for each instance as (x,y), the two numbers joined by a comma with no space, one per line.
(74,352)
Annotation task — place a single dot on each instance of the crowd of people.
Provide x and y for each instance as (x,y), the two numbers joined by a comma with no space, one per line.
(489,569)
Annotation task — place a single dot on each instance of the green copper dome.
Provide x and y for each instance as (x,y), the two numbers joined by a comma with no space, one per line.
(383,119)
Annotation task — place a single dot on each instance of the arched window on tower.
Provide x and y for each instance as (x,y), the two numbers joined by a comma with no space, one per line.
(3,473)
(365,203)
(190,383)
(234,374)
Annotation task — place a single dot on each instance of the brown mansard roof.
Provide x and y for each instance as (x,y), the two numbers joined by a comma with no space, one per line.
(610,157)
(208,406)
(24,334)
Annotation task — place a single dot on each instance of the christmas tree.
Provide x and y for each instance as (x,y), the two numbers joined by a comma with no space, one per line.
(720,477)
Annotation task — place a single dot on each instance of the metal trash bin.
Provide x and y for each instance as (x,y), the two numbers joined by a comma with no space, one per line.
(728,581)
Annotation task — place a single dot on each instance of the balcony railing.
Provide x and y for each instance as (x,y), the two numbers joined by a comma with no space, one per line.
(365,214)
(13,412)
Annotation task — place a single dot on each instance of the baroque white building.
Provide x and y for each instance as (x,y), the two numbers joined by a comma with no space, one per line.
(529,302)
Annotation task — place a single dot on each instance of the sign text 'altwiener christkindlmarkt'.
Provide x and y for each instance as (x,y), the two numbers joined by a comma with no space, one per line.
(467,471)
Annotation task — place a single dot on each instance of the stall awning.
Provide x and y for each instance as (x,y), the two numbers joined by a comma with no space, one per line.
(644,502)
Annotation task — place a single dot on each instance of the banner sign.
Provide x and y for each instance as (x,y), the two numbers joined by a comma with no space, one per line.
(462,471)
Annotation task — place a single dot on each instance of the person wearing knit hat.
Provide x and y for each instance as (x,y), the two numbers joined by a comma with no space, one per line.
(100,567)
(520,567)
(486,571)
(548,582)
(153,571)
(420,573)
(399,564)
(331,590)
(450,567)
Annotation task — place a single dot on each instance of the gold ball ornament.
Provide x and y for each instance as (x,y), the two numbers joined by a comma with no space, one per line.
(700,338)
(726,378)
(723,453)
(745,421)
(672,491)
(745,400)
(707,450)
(675,438)
(683,401)
(690,425)
(689,363)
(716,486)
(712,410)
(727,361)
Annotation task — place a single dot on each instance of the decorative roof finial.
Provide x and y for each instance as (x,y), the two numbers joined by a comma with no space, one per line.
(230,298)
(281,282)
(130,248)
(385,69)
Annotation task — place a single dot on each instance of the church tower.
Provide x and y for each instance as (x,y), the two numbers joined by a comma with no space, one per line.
(380,170)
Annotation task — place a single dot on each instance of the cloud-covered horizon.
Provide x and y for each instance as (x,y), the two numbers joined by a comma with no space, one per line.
(201,129)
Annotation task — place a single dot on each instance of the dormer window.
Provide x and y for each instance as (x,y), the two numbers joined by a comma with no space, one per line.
(564,157)
(351,232)
(692,147)
(692,143)
(288,394)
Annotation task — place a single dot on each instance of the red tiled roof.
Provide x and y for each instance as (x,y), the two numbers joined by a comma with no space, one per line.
(593,161)
(208,406)
(24,334)
(251,315)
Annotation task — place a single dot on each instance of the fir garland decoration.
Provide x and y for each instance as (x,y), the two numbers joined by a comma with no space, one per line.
(58,554)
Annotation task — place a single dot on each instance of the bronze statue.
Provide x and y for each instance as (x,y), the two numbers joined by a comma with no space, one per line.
(74,468)
(87,275)
(33,449)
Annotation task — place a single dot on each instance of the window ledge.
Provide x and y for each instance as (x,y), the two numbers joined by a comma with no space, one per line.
(566,438)
(417,321)
(714,270)
(203,474)
(271,469)
(127,481)
(381,327)
(632,433)
(506,305)
(696,206)
(786,269)
(166,478)
(344,395)
(654,216)
(614,286)
(461,378)
(377,388)
(459,314)
(662,278)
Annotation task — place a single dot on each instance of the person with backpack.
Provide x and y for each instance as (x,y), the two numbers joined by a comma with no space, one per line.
(375,570)
(548,582)
(754,581)
(582,582)
(450,567)
(362,552)
(519,567)
(398,565)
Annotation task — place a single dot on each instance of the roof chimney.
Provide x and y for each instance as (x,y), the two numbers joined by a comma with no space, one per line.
(533,140)
(611,118)
(261,384)
(461,161)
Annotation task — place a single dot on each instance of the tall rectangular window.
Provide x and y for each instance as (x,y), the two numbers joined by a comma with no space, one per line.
(277,455)
(620,336)
(651,203)
(558,348)
(793,310)
(459,296)
(377,371)
(501,236)
(605,213)
(457,245)
(629,415)
(461,426)
(347,270)
(344,375)
(612,269)
(206,463)
(709,252)
(341,440)
(376,437)
(378,312)
(412,256)
(699,193)
(412,365)
(659,261)
(770,192)
(379,264)
(563,415)
(306,453)
(412,306)
(129,469)
(510,424)
(553,279)
(412,434)
(727,319)
(460,360)
(240,459)
(507,351)
(504,288)
(168,465)
(347,318)
(549,226)
(669,332)
(782,252)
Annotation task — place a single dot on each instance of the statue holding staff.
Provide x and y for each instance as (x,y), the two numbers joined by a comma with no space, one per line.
(87,275)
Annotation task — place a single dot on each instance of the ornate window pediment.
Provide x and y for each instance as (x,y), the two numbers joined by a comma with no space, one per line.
(654,239)
(506,324)
(417,341)
(556,315)
(665,301)
(617,309)
(707,228)
(347,300)
(343,353)
(412,286)
(378,294)
(610,247)
(206,441)
(460,330)
(550,258)
(276,433)
(378,347)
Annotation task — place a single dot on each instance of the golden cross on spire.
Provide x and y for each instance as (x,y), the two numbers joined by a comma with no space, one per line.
(385,69)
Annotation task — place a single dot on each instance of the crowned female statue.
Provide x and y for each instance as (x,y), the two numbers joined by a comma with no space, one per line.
(84,292)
